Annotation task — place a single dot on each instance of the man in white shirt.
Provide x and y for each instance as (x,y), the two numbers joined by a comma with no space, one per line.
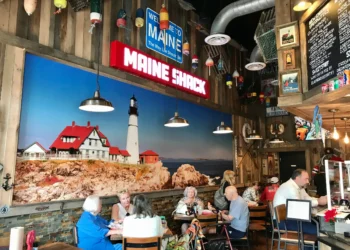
(295,189)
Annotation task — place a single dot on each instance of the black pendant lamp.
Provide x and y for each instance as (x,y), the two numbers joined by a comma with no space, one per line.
(97,103)
(223,129)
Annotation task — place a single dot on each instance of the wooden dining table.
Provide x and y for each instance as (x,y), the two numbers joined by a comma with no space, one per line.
(57,246)
(119,237)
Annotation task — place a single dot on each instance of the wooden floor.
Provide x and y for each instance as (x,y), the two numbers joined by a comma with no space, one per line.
(259,243)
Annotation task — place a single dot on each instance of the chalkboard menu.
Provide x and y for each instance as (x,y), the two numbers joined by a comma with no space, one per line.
(328,42)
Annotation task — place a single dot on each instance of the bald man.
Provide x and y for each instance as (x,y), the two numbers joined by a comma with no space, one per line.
(238,214)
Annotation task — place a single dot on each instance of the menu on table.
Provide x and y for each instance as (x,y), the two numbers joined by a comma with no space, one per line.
(328,42)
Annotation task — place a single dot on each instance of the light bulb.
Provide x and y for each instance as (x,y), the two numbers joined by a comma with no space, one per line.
(335,134)
(346,138)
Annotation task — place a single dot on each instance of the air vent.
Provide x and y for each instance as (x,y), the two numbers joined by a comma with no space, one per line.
(255,66)
(217,39)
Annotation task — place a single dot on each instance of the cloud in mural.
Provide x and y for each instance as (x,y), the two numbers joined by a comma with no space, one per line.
(60,145)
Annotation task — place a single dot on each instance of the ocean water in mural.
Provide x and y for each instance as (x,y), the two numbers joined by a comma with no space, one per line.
(66,153)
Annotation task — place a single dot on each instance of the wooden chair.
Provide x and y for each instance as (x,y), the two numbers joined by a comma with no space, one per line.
(291,237)
(75,236)
(257,217)
(242,242)
(152,243)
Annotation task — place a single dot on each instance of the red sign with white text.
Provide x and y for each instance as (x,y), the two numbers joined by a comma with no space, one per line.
(136,62)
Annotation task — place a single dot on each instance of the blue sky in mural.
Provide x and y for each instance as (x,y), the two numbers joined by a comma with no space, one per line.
(53,91)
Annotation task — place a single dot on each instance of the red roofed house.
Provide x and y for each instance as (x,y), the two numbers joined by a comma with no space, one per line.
(149,157)
(125,156)
(34,151)
(86,141)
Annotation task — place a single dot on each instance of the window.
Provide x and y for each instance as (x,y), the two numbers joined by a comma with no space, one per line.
(103,154)
(87,152)
(94,133)
(95,142)
(89,142)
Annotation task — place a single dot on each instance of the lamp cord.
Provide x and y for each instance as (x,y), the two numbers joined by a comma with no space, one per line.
(98,53)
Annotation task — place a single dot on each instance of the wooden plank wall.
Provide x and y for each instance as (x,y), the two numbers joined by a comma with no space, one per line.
(68,32)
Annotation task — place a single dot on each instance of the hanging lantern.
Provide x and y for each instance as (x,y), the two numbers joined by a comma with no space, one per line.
(95,13)
(267,102)
(30,6)
(229,80)
(221,64)
(240,80)
(186,48)
(140,15)
(261,97)
(60,4)
(164,21)
(194,62)
(121,18)
(209,63)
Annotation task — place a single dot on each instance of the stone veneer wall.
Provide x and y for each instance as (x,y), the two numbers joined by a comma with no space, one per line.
(55,226)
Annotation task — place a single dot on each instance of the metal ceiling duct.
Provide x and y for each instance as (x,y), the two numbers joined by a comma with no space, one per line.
(226,15)
(256,60)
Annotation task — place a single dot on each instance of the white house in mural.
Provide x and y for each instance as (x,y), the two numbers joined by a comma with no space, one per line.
(34,151)
(132,141)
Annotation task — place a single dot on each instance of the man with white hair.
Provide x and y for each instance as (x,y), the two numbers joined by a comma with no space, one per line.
(238,214)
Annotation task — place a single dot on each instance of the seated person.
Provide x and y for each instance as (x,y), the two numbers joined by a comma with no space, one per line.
(190,199)
(251,194)
(270,190)
(92,229)
(295,189)
(238,214)
(143,223)
(123,208)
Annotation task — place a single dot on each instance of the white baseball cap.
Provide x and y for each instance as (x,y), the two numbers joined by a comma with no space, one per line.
(274,180)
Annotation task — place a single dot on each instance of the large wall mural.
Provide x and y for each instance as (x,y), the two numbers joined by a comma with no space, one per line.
(66,153)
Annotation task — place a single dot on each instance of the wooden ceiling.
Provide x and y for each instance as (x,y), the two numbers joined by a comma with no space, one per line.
(303,105)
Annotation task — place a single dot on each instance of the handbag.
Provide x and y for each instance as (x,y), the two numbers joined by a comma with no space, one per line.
(181,208)
(219,198)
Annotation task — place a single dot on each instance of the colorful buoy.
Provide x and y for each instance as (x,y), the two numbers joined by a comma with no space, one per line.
(164,21)
(121,18)
(140,15)
(194,61)
(262,97)
(30,6)
(209,63)
(95,13)
(186,48)
(240,80)
(221,64)
(229,81)
(267,102)
(60,4)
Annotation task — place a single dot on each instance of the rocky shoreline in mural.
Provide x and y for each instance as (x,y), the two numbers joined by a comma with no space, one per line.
(53,180)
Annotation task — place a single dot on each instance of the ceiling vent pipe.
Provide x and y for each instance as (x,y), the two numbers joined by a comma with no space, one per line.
(241,8)
(256,60)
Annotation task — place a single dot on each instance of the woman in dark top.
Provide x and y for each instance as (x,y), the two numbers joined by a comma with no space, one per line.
(219,197)
(320,182)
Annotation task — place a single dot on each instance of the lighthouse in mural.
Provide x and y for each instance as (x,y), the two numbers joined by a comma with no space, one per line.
(132,141)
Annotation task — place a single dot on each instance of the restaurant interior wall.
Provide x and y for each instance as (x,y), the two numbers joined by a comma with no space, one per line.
(65,37)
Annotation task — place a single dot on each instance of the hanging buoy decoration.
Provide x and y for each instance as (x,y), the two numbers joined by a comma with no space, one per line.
(267,102)
(194,62)
(235,75)
(60,4)
(121,19)
(140,18)
(221,64)
(164,21)
(95,13)
(30,6)
(229,81)
(186,48)
(240,80)
(262,97)
(209,63)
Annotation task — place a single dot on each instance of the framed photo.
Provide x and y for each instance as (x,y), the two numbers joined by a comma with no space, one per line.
(287,35)
(289,59)
(290,82)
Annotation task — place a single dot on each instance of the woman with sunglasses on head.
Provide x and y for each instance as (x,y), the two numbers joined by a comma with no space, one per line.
(123,208)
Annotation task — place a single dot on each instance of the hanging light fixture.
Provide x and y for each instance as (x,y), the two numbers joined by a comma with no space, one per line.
(97,103)
(346,138)
(302,5)
(276,140)
(176,121)
(223,129)
(335,132)
(254,135)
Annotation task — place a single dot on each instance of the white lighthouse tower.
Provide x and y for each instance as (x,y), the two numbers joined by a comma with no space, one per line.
(132,141)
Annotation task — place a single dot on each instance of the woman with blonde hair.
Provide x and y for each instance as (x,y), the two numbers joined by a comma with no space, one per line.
(220,200)
(123,208)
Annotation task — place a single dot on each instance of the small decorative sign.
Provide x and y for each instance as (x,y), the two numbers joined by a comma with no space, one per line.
(275,111)
(290,82)
(289,59)
(166,42)
(137,62)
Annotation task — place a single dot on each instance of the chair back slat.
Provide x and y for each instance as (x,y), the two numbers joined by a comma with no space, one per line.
(258,212)
(152,243)
(205,220)
(281,213)
(75,235)
(272,211)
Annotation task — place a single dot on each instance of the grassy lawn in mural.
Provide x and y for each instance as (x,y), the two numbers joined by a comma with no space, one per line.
(66,153)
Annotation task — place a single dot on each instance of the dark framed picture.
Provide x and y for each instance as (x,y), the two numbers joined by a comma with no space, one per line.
(287,35)
(290,82)
(289,59)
